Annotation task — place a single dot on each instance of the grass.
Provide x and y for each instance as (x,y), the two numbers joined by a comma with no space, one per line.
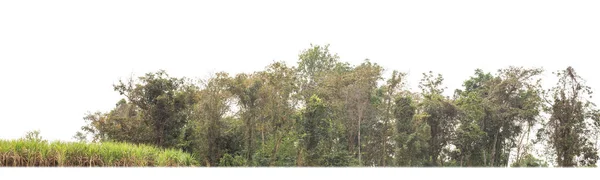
(32,153)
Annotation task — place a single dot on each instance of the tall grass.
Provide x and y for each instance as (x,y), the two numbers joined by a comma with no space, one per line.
(32,153)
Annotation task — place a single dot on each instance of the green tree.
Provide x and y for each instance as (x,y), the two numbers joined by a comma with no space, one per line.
(246,89)
(386,94)
(497,109)
(34,136)
(229,161)
(530,161)
(164,103)
(440,114)
(315,124)
(573,122)
(122,124)
(314,63)
(279,100)
(212,105)
(412,134)
(359,105)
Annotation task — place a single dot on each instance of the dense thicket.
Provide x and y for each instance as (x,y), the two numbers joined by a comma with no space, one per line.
(325,112)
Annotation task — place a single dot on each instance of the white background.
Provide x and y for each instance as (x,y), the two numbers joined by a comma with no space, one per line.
(59,59)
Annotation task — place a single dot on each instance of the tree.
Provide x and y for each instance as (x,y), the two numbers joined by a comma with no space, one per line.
(34,136)
(496,110)
(412,134)
(389,92)
(213,104)
(359,107)
(164,104)
(246,89)
(230,161)
(530,161)
(122,124)
(80,137)
(471,136)
(573,122)
(279,97)
(314,63)
(440,114)
(315,127)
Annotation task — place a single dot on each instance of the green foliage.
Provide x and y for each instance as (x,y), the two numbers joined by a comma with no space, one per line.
(316,125)
(530,161)
(413,134)
(316,60)
(230,161)
(20,153)
(163,102)
(207,124)
(325,112)
(495,110)
(34,136)
(122,124)
(572,127)
(441,115)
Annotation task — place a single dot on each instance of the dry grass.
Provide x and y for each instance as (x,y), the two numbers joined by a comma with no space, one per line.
(31,153)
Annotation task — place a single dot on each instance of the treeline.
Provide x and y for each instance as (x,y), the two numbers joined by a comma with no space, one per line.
(325,112)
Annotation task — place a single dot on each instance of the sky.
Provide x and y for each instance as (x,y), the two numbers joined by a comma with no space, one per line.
(59,59)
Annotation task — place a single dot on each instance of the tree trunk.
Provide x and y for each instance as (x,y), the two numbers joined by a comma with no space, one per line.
(434,158)
(384,152)
(507,157)
(350,141)
(262,134)
(274,155)
(384,136)
(299,161)
(518,160)
(359,153)
(484,157)
(159,135)
(493,155)
(469,162)
(250,143)
(567,158)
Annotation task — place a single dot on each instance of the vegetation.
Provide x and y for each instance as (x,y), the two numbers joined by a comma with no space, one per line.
(74,154)
(325,112)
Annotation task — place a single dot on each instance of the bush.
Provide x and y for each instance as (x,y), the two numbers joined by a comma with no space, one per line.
(230,161)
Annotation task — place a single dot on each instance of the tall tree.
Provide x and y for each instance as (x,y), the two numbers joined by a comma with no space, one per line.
(316,125)
(470,134)
(412,133)
(381,136)
(314,63)
(213,104)
(441,116)
(496,110)
(573,122)
(278,99)
(281,90)
(247,89)
(358,96)
(122,124)
(164,103)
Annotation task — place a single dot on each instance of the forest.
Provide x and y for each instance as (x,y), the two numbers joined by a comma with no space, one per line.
(322,112)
